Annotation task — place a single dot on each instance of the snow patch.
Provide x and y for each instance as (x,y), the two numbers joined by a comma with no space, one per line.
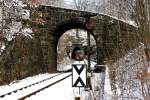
(25,14)
(15,28)
(3,47)
(27,32)
(130,22)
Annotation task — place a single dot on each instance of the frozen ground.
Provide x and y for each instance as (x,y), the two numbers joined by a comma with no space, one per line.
(22,83)
(31,80)
(60,91)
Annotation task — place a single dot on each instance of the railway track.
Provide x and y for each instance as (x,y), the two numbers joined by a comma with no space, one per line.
(32,89)
(33,93)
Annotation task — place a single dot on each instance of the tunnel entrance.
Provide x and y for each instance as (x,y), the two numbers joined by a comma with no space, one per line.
(56,41)
(71,39)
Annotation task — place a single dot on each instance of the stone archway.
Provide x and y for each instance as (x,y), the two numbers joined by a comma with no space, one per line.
(59,20)
(58,32)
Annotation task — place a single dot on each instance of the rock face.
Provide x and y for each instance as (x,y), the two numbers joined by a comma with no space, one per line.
(22,59)
(28,56)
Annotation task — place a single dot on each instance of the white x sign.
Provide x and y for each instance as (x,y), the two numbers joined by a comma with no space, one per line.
(79,73)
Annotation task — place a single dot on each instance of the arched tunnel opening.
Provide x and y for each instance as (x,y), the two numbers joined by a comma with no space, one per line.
(71,40)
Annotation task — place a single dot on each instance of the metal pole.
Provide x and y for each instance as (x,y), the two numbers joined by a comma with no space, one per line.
(87,17)
(88,49)
(88,42)
(79,90)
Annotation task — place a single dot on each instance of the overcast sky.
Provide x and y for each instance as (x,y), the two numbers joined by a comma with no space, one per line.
(68,1)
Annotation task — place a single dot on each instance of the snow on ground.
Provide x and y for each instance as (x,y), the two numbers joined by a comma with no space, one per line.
(107,87)
(63,91)
(24,92)
(60,91)
(22,83)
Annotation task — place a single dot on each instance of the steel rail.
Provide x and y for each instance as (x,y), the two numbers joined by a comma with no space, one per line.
(14,91)
(45,87)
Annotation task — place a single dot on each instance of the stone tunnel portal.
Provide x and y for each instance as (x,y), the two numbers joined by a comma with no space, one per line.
(59,31)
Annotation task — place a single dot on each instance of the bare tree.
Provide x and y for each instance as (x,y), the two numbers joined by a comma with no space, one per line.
(10,20)
(142,18)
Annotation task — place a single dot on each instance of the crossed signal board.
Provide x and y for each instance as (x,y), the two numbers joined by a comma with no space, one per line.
(79,75)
